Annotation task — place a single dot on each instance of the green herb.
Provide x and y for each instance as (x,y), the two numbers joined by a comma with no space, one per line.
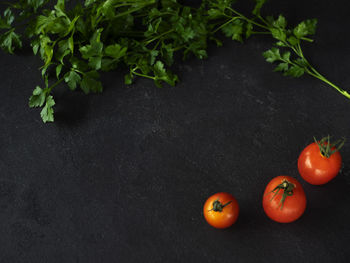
(287,51)
(76,44)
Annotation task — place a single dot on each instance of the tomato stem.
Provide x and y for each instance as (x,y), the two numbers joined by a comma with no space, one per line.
(218,206)
(287,188)
(327,148)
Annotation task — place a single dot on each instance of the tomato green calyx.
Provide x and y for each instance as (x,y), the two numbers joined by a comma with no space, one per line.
(327,148)
(218,206)
(286,187)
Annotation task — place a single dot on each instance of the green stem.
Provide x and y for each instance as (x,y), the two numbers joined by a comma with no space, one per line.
(156,45)
(327,148)
(132,10)
(141,75)
(126,12)
(313,72)
(224,24)
(296,51)
(301,54)
(321,77)
(179,47)
(55,84)
(263,20)
(159,36)
(307,39)
(287,188)
(290,62)
(247,19)
(121,5)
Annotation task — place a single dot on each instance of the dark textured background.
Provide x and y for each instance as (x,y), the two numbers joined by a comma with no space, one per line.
(122,176)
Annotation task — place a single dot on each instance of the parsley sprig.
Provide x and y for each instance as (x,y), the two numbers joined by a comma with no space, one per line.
(78,42)
(287,51)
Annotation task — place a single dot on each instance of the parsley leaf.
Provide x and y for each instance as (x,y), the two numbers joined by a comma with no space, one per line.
(47,112)
(38,98)
(90,82)
(295,71)
(9,41)
(305,28)
(272,55)
(73,79)
(234,30)
(7,20)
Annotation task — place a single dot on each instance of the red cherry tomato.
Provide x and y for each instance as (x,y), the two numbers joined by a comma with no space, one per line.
(284,199)
(221,210)
(316,168)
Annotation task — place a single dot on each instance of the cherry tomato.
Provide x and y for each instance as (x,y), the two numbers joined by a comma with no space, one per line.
(221,210)
(316,168)
(284,199)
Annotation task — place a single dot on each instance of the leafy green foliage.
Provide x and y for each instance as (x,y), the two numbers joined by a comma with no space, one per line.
(38,98)
(9,41)
(290,38)
(234,30)
(72,78)
(41,98)
(104,35)
(272,55)
(307,27)
(141,36)
(293,68)
(7,19)
(259,4)
(47,112)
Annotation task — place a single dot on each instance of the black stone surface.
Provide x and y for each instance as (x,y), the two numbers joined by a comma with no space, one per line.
(123,176)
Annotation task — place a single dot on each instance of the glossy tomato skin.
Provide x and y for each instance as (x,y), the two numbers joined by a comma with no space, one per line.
(227,216)
(317,169)
(294,205)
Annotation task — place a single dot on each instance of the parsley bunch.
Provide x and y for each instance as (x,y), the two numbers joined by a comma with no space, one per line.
(76,44)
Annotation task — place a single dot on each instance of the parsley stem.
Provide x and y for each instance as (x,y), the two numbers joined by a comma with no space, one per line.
(263,20)
(320,77)
(55,84)
(178,48)
(313,72)
(224,24)
(121,5)
(246,18)
(156,45)
(159,36)
(141,75)
(131,11)
(307,39)
(301,54)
